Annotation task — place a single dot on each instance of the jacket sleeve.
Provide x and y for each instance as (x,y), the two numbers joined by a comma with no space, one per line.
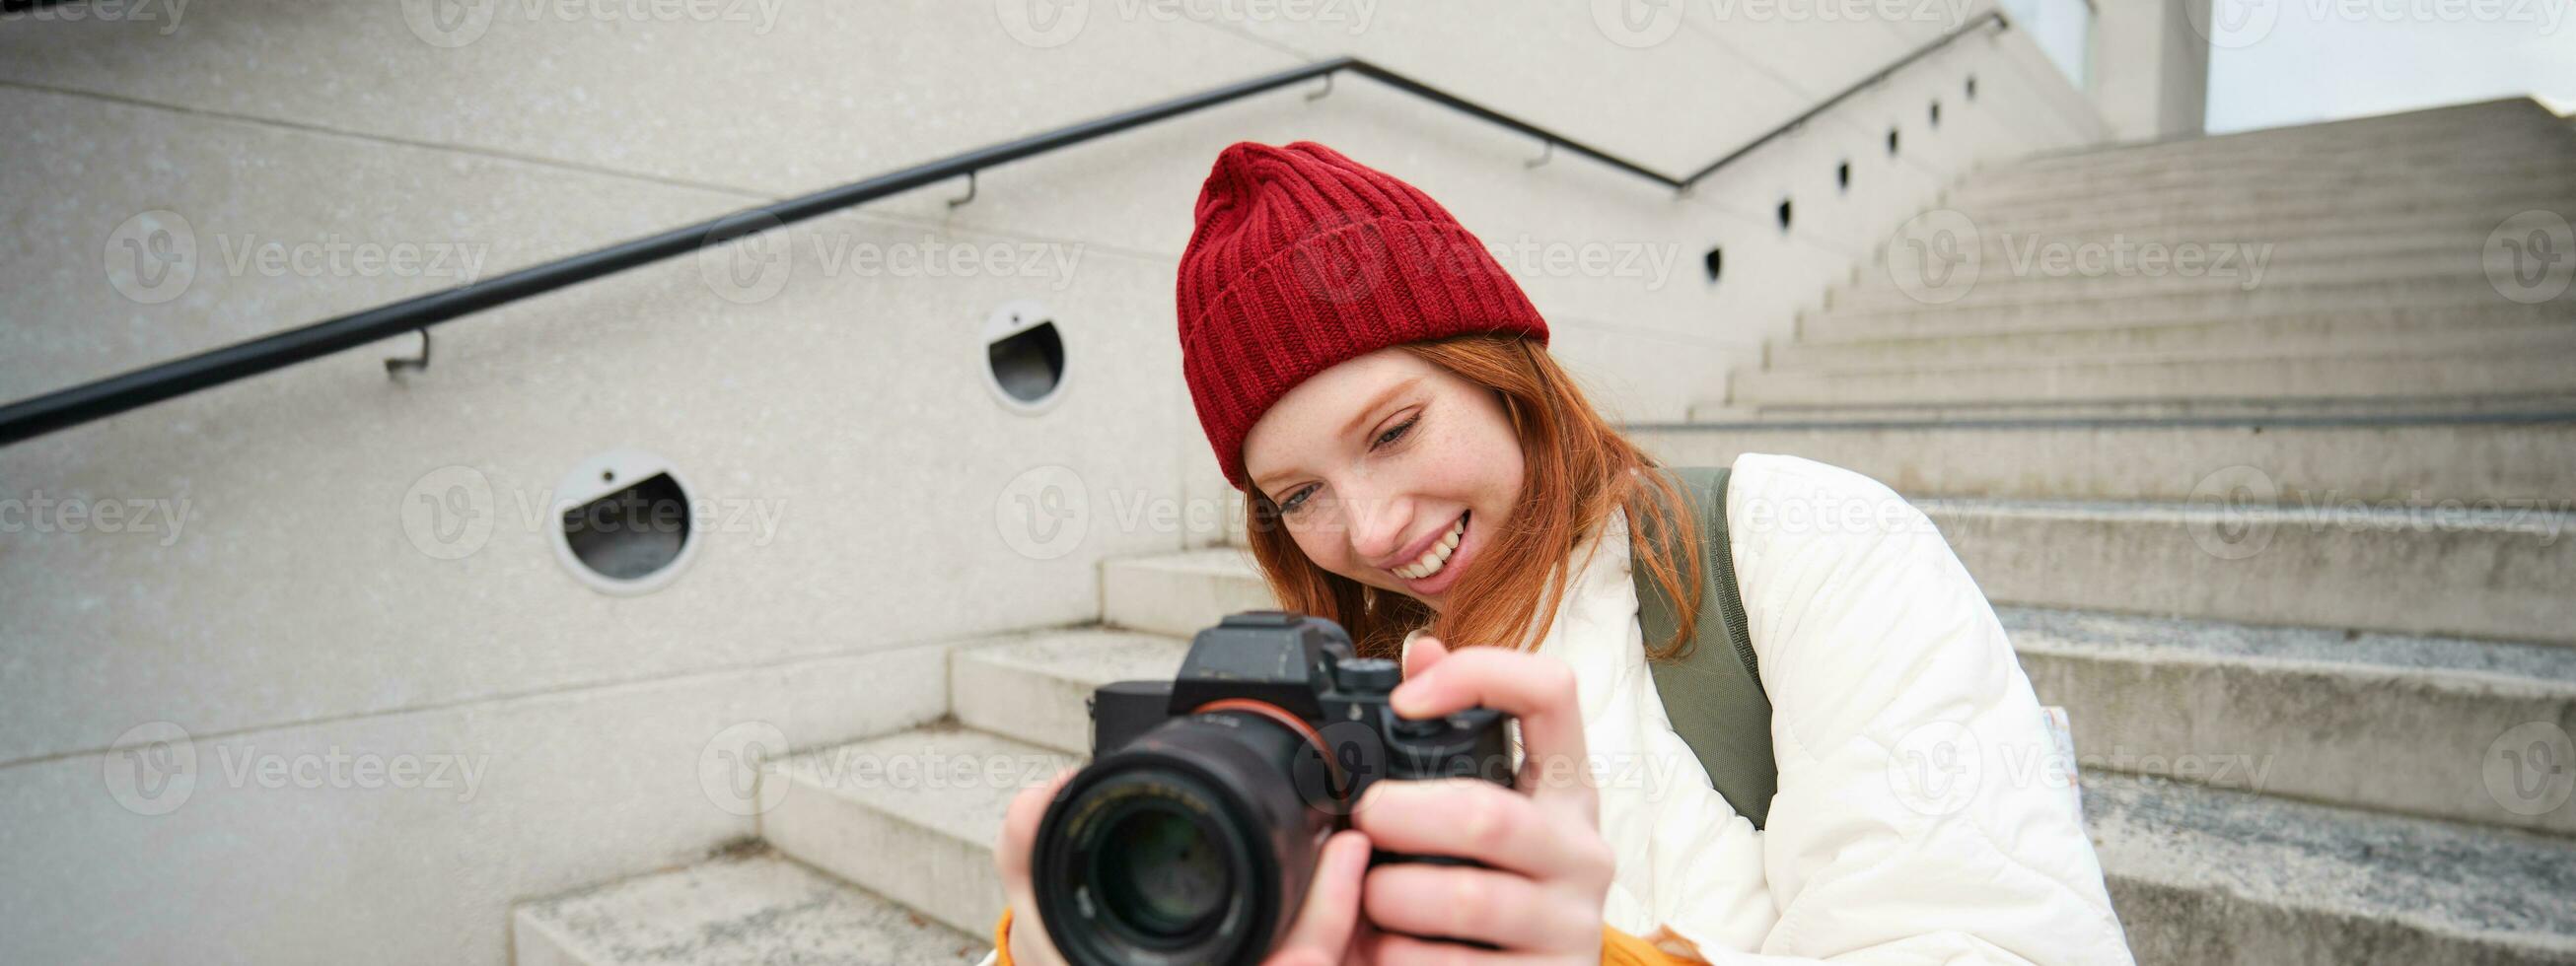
(1001,954)
(1923,813)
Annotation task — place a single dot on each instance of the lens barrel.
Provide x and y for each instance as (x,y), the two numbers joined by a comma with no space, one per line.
(1190,844)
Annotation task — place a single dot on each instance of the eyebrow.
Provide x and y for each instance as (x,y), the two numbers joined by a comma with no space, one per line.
(1361,420)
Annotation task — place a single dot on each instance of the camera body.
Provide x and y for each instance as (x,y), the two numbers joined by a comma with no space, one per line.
(1194,832)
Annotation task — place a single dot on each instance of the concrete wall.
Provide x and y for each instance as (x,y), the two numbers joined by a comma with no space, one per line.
(2151,67)
(211,703)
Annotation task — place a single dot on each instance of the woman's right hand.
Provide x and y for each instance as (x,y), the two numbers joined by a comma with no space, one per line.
(1323,934)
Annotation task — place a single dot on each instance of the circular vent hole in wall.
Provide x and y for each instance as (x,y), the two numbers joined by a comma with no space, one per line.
(1024,361)
(623,522)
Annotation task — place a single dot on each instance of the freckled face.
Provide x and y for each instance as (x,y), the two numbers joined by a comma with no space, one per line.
(1377,461)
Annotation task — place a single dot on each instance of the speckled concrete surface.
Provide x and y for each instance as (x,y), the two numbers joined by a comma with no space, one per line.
(2207,876)
(755,909)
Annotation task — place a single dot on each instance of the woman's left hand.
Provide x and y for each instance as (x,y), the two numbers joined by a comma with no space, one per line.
(1548,868)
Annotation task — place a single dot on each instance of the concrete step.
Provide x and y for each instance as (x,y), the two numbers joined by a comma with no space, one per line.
(2493,571)
(2306,334)
(2334,243)
(2207,376)
(1179,594)
(1937,322)
(910,816)
(2543,407)
(1993,191)
(2174,225)
(2551,193)
(2396,301)
(2196,872)
(2160,458)
(2036,270)
(2392,135)
(2433,568)
(2398,724)
(2388,723)
(2471,148)
(2205,876)
(2260,179)
(752,908)
(1034,689)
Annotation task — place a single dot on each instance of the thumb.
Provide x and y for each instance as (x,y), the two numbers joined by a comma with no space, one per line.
(1425,651)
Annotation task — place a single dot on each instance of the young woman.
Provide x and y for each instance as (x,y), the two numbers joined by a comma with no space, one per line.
(1418,469)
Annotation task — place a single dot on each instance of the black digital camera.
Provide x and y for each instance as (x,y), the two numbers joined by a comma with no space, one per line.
(1193,834)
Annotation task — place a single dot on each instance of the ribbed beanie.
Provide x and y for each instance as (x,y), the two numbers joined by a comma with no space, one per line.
(1303,258)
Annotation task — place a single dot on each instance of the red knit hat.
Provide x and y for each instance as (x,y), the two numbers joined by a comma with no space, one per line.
(1303,258)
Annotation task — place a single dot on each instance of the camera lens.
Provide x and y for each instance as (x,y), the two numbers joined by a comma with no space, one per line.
(1159,873)
(1189,845)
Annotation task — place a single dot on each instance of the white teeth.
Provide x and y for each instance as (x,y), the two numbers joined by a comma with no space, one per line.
(1433,559)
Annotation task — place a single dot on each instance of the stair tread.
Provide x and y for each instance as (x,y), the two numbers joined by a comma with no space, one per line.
(2509,886)
(948,779)
(755,908)
(2539,666)
(2453,878)
(1093,656)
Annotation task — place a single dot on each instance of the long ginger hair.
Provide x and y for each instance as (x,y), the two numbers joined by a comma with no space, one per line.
(1575,468)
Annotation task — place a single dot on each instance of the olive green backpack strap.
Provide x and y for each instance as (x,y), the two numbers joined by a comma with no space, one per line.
(1713,693)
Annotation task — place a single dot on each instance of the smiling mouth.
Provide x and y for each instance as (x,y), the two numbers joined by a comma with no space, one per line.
(1436,559)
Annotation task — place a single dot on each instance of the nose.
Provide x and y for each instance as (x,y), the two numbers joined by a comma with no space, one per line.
(1376,520)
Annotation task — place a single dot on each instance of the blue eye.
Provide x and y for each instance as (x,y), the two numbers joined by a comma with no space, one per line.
(1298,499)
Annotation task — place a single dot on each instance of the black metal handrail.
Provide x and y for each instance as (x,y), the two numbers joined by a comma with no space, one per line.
(106,397)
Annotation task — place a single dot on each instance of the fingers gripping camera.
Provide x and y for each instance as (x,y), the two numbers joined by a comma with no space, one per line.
(1194,832)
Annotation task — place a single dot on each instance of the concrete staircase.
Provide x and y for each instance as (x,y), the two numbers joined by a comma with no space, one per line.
(2212,517)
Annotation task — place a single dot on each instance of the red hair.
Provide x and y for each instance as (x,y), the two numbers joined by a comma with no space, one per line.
(1576,467)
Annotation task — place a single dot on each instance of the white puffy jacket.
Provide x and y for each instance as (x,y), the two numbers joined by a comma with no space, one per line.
(1925,811)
